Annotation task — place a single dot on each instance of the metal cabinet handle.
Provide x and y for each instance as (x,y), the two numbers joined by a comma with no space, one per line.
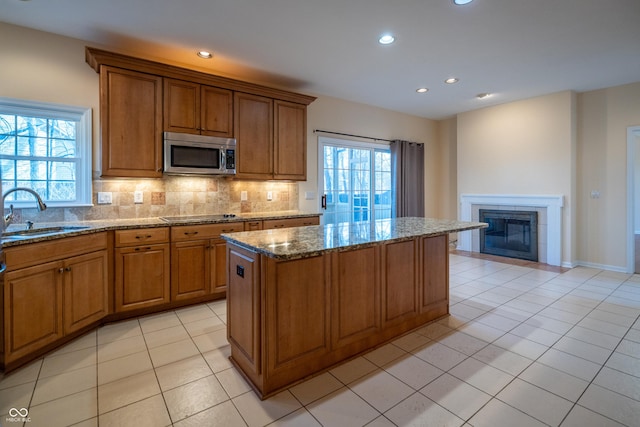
(148,236)
(324,201)
(67,269)
(190,233)
(61,270)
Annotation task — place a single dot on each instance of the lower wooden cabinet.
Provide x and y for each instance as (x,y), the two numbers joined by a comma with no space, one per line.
(290,222)
(51,290)
(142,276)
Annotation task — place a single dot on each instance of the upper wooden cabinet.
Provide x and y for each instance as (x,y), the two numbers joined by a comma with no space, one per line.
(140,98)
(131,123)
(199,109)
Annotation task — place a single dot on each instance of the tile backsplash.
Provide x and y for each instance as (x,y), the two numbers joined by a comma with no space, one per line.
(171,196)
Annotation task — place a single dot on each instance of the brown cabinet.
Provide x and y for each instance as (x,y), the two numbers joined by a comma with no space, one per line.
(290,141)
(253,225)
(254,136)
(53,289)
(131,123)
(199,109)
(268,224)
(142,275)
(198,259)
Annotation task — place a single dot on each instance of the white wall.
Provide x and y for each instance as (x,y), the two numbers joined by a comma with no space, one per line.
(524,147)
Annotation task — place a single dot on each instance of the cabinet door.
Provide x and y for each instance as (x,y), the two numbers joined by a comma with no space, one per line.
(435,277)
(32,309)
(181,106)
(290,222)
(290,141)
(85,290)
(131,121)
(254,136)
(142,276)
(216,112)
(218,266)
(189,269)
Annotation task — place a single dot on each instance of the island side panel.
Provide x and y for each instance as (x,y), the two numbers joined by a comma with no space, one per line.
(400,290)
(297,318)
(435,275)
(244,311)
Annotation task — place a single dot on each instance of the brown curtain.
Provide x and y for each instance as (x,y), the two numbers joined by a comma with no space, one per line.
(407,178)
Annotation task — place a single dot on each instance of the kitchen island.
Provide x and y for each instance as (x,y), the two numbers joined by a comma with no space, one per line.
(300,300)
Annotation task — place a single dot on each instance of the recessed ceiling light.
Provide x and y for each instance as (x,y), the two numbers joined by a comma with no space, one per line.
(386,39)
(451,80)
(462,2)
(422,90)
(483,95)
(204,54)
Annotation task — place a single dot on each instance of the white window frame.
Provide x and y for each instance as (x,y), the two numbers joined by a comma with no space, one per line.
(48,110)
(323,141)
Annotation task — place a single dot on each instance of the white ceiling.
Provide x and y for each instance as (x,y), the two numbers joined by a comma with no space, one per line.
(514,49)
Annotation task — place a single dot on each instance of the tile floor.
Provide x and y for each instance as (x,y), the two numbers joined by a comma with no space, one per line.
(522,347)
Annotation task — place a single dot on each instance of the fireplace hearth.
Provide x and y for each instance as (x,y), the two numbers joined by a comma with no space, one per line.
(511,233)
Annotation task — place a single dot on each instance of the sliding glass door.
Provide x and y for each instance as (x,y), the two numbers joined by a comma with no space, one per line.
(355,181)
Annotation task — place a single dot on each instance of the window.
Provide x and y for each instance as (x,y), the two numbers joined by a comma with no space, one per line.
(45,147)
(355,180)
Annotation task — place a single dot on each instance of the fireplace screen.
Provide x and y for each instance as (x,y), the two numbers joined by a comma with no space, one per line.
(511,234)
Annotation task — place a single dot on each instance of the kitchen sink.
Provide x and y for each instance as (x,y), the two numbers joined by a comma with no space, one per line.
(39,232)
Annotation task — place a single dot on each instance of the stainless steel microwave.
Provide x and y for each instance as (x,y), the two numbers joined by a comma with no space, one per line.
(187,154)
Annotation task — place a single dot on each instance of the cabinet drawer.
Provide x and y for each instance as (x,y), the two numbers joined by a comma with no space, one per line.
(252,225)
(142,236)
(206,231)
(291,222)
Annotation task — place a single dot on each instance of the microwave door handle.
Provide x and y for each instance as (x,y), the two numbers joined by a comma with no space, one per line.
(223,160)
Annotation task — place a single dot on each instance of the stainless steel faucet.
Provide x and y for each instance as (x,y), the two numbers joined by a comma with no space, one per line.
(9,217)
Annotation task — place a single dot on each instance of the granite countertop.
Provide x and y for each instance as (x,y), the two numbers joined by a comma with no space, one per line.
(303,242)
(56,230)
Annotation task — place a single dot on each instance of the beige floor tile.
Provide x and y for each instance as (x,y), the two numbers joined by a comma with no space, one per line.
(411,370)
(482,332)
(440,356)
(233,382)
(612,405)
(88,340)
(120,348)
(18,397)
(583,350)
(193,397)
(157,322)
(411,341)
(173,352)
(118,331)
(594,337)
(381,421)
(191,314)
(582,417)
(434,330)
(554,381)
(166,336)
(204,326)
(256,412)
(225,414)
(482,376)
(465,344)
(342,408)
(502,359)
(123,367)
(499,414)
(127,390)
(619,382)
(301,418)
(218,307)
(570,364)
(630,348)
(315,388)
(352,370)
(59,364)
(58,386)
(418,410)
(67,410)
(381,390)
(211,341)
(627,364)
(218,359)
(91,422)
(183,371)
(534,401)
(385,354)
(150,412)
(26,374)
(522,346)
(456,396)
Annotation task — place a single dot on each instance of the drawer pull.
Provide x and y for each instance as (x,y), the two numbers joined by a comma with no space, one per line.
(190,233)
(228,230)
(61,270)
(67,269)
(148,236)
(148,248)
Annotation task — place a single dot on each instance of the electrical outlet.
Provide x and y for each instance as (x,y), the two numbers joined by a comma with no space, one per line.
(243,196)
(105,198)
(138,197)
(269,195)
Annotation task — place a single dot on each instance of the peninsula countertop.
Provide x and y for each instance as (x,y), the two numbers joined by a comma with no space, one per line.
(304,242)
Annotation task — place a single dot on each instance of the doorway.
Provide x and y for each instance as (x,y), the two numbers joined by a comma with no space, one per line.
(633,199)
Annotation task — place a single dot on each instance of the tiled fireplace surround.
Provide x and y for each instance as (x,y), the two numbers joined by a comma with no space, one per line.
(549,208)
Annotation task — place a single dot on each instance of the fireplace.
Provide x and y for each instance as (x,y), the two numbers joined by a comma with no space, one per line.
(511,233)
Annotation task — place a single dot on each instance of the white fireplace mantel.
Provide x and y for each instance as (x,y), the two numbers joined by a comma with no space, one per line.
(553,204)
